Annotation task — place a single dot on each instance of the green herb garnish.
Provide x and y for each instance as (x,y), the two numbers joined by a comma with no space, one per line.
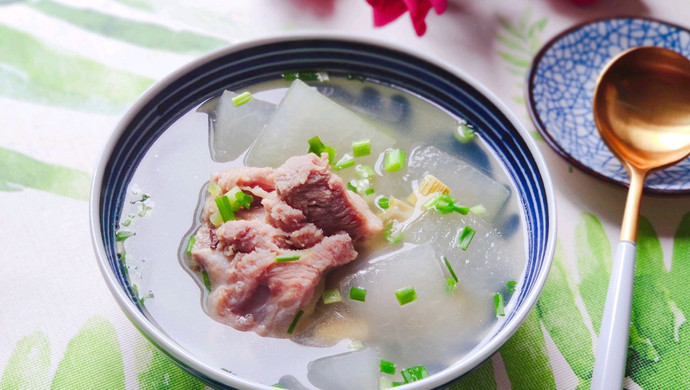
(387,367)
(361,148)
(392,232)
(190,245)
(464,133)
(345,162)
(317,147)
(225,208)
(450,269)
(465,237)
(331,296)
(122,235)
(294,321)
(394,160)
(406,295)
(206,280)
(510,286)
(414,374)
(244,97)
(358,294)
(365,171)
(384,203)
(282,259)
(499,305)
(451,285)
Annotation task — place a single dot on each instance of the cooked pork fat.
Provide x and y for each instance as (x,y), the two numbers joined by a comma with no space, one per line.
(299,209)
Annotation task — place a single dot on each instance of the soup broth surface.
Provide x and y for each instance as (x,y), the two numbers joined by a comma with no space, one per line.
(162,208)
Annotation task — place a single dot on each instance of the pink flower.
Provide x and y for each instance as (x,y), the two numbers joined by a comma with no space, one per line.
(386,11)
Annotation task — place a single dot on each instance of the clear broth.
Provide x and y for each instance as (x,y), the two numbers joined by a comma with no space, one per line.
(174,173)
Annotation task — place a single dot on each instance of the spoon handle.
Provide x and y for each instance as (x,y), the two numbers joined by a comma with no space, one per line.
(612,349)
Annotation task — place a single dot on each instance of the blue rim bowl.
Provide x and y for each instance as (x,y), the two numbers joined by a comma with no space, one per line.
(254,61)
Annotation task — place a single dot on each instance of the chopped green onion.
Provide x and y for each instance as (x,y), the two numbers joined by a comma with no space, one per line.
(478,209)
(464,133)
(384,203)
(394,160)
(239,199)
(358,186)
(242,200)
(406,295)
(244,97)
(345,162)
(361,148)
(214,190)
(465,237)
(499,305)
(369,191)
(445,204)
(358,294)
(122,235)
(431,202)
(317,147)
(331,296)
(461,209)
(451,285)
(216,219)
(144,198)
(225,208)
(206,279)
(365,171)
(294,322)
(128,221)
(190,245)
(387,367)
(396,384)
(385,383)
(304,76)
(144,210)
(510,286)
(392,232)
(414,374)
(278,385)
(450,269)
(282,259)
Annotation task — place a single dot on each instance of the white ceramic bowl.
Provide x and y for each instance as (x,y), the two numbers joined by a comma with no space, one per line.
(259,60)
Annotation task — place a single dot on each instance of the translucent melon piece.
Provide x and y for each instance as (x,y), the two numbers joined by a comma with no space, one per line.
(489,260)
(468,185)
(351,370)
(415,332)
(235,128)
(290,382)
(304,113)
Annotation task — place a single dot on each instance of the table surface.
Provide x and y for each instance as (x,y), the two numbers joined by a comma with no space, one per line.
(70,68)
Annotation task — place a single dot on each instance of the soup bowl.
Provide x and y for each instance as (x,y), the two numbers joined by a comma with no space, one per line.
(248,63)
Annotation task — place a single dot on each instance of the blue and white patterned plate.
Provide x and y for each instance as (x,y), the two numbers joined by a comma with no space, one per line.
(561,87)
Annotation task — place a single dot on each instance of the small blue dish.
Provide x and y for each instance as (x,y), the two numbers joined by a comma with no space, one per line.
(250,62)
(560,90)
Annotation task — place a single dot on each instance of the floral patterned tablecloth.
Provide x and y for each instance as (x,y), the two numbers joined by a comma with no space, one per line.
(70,68)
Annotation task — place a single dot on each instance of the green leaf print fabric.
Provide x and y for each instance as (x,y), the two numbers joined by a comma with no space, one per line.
(554,348)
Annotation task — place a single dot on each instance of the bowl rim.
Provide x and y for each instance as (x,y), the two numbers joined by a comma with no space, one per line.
(210,374)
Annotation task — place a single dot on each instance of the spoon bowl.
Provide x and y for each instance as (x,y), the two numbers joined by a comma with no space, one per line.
(642,107)
(642,111)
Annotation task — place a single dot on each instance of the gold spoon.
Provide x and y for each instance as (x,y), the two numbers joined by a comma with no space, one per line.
(642,111)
